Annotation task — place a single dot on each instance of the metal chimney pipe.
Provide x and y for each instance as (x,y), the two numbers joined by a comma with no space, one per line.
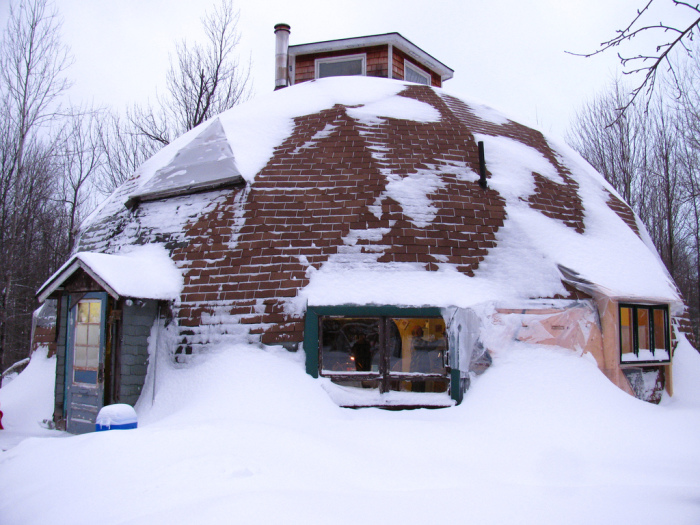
(281,48)
(482,165)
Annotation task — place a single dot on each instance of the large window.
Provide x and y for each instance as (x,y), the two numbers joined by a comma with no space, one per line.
(395,352)
(340,66)
(644,334)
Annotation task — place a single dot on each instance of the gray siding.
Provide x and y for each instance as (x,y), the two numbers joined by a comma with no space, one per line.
(137,320)
(59,392)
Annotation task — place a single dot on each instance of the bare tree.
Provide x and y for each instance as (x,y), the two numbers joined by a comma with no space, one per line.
(616,147)
(689,110)
(32,65)
(663,187)
(123,150)
(651,156)
(669,37)
(79,160)
(202,80)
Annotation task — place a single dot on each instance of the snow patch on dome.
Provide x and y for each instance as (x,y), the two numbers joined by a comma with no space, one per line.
(412,193)
(394,107)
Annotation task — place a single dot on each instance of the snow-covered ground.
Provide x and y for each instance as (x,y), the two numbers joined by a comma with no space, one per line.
(243,435)
(27,400)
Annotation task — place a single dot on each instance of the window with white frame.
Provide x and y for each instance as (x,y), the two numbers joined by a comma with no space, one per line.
(413,74)
(644,333)
(349,65)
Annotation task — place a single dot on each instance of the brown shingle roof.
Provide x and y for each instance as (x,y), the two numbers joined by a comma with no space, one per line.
(325,194)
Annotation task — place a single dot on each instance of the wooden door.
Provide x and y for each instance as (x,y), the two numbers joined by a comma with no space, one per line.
(85,362)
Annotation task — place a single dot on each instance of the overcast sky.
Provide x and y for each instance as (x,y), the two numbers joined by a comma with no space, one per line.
(509,54)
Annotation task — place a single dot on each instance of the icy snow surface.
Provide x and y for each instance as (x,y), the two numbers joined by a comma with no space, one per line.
(541,438)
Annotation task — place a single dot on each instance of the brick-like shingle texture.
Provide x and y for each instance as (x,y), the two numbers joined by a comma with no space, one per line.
(245,252)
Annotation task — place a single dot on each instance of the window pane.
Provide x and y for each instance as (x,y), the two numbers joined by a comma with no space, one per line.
(85,376)
(340,68)
(80,356)
(660,329)
(417,346)
(643,329)
(626,339)
(350,345)
(94,312)
(414,76)
(420,385)
(93,338)
(83,309)
(81,334)
(93,357)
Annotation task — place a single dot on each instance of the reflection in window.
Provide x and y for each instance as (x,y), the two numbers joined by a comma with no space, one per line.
(417,346)
(644,334)
(340,67)
(405,354)
(350,345)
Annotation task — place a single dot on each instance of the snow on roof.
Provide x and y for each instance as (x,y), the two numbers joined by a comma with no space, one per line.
(594,240)
(145,272)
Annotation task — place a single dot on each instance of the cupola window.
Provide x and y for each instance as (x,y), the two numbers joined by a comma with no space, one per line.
(349,65)
(413,74)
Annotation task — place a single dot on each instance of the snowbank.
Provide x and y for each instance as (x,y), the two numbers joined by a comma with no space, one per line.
(27,401)
(244,435)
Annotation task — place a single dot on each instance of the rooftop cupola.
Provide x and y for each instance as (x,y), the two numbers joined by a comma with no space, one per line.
(388,55)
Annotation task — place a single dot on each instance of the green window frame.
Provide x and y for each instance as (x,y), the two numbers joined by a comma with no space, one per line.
(312,333)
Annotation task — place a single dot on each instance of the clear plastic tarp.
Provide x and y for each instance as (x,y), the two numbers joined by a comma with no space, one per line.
(206,162)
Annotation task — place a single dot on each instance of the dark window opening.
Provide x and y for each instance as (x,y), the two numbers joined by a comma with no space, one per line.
(644,334)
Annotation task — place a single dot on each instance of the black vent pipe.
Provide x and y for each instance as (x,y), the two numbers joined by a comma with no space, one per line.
(482,165)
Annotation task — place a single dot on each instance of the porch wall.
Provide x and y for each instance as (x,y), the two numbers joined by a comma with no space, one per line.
(59,388)
(138,318)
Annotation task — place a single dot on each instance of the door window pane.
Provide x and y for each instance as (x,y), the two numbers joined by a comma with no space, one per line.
(81,334)
(92,357)
(95,312)
(83,312)
(80,360)
(86,343)
(93,333)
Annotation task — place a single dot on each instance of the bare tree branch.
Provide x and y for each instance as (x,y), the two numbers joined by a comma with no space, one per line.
(202,81)
(33,61)
(648,64)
